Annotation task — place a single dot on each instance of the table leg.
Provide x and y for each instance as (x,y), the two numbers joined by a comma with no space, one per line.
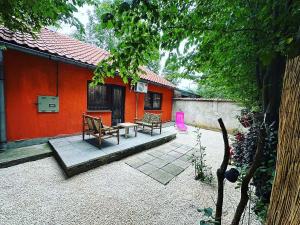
(135,130)
(126,132)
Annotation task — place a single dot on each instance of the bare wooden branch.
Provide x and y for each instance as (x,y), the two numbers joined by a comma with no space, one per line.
(221,172)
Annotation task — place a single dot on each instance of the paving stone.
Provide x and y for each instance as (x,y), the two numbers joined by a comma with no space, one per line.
(146,157)
(175,154)
(155,153)
(185,158)
(181,163)
(159,163)
(182,150)
(147,168)
(135,162)
(168,158)
(161,176)
(175,144)
(173,169)
(188,147)
(165,149)
(191,152)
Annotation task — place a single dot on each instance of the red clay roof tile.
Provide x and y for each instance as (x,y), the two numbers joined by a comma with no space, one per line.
(62,45)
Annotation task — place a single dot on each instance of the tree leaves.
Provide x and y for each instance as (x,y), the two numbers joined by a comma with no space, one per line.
(30,16)
(225,40)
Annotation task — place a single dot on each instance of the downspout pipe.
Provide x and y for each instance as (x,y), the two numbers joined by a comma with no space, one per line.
(3,139)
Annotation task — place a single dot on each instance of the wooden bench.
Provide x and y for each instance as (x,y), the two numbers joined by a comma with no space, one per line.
(93,126)
(151,120)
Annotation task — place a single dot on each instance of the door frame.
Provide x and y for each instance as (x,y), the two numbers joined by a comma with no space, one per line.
(123,89)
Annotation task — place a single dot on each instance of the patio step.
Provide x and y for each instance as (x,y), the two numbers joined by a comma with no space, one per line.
(15,156)
(76,156)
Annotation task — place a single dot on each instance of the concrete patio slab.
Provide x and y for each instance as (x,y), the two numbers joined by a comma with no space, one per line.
(156,153)
(17,156)
(146,157)
(159,162)
(182,164)
(161,176)
(76,156)
(162,163)
(175,154)
(147,168)
(135,162)
(173,169)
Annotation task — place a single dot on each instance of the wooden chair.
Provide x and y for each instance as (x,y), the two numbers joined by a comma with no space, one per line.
(93,126)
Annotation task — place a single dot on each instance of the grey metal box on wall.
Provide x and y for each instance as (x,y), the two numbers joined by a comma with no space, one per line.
(48,104)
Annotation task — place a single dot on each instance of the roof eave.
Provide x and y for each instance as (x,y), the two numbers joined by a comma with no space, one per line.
(55,57)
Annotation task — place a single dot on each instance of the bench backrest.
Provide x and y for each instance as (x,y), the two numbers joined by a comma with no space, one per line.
(151,117)
(93,123)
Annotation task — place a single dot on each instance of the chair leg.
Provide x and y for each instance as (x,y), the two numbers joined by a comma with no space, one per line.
(151,131)
(118,137)
(160,128)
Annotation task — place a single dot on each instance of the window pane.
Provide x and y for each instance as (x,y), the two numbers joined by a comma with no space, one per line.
(156,101)
(98,97)
(148,104)
(152,101)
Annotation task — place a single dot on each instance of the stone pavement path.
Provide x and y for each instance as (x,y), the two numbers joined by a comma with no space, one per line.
(163,163)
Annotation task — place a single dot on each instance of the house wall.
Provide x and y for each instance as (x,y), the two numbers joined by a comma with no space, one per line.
(28,76)
(206,112)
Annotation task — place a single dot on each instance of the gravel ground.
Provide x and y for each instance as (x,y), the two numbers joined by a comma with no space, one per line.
(39,193)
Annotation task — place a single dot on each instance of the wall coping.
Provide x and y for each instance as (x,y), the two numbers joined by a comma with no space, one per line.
(203,99)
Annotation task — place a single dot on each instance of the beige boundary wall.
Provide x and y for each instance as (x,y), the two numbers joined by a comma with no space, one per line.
(205,112)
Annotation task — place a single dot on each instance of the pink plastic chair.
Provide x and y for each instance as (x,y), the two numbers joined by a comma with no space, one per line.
(180,121)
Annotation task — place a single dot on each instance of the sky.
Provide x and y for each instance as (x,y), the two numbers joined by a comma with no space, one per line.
(82,16)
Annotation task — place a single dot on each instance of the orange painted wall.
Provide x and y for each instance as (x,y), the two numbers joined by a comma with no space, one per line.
(28,76)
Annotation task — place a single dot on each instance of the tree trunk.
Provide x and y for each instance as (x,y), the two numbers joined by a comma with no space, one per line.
(272,85)
(284,208)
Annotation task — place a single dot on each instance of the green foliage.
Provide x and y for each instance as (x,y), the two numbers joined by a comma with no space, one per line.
(154,66)
(202,171)
(93,32)
(223,40)
(261,209)
(30,16)
(208,217)
(245,145)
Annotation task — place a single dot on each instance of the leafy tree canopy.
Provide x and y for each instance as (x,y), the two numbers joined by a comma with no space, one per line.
(30,16)
(224,40)
(93,32)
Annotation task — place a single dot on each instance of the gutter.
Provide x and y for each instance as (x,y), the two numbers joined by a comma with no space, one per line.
(3,139)
(47,55)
